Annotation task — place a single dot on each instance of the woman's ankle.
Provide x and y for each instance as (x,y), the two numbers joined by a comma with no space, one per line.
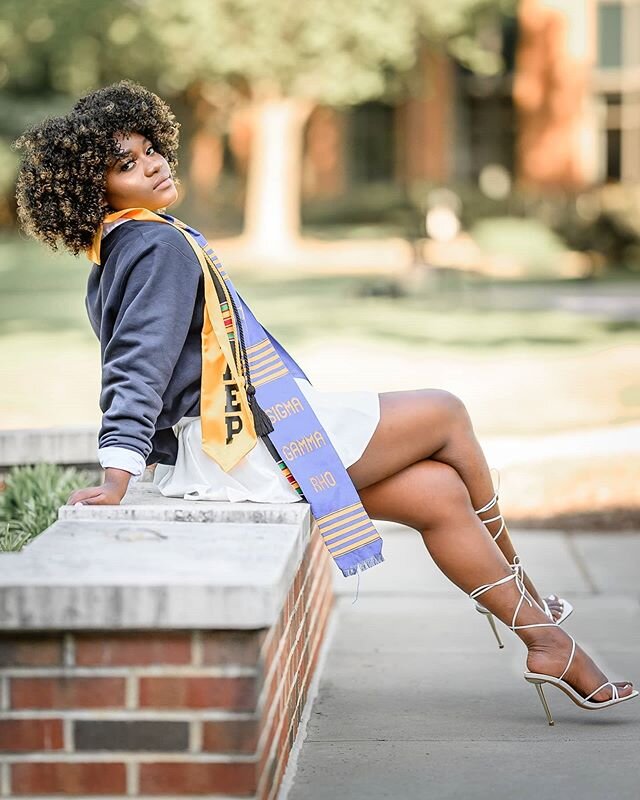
(544,639)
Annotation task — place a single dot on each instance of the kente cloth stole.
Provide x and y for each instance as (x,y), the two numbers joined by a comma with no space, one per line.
(248,390)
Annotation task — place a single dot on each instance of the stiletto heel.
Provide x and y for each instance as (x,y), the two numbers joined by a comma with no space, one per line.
(492,623)
(540,678)
(567,608)
(545,705)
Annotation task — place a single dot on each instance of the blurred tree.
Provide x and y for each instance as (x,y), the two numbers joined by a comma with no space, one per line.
(269,61)
(278,59)
(51,51)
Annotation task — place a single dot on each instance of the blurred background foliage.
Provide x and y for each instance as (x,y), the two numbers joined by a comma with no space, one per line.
(212,58)
(227,67)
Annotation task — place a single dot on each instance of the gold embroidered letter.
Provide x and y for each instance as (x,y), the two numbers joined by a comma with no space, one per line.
(323,481)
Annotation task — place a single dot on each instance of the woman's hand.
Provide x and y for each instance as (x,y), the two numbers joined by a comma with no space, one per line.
(110,493)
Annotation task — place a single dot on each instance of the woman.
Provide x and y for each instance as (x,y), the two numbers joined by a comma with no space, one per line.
(173,330)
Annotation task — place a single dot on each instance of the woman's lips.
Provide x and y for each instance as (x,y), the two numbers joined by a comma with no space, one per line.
(164,183)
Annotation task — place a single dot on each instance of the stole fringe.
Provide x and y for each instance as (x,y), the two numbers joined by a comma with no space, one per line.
(361,566)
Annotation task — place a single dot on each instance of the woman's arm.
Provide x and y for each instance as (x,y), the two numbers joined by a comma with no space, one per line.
(110,493)
(152,311)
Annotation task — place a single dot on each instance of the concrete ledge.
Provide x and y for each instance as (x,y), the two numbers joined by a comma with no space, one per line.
(147,565)
(73,445)
(111,574)
(143,501)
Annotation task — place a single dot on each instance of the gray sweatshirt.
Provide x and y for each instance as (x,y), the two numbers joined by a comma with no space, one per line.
(145,304)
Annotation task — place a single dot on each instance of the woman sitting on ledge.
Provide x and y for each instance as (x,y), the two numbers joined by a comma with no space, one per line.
(192,382)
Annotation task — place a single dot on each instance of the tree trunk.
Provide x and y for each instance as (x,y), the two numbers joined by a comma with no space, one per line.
(272,207)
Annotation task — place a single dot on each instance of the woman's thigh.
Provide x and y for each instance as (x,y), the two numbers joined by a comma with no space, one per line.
(413,425)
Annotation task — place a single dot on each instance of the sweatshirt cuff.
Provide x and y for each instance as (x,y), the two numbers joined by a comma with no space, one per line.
(122,458)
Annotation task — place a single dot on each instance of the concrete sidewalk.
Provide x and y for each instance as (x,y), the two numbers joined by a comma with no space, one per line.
(416,701)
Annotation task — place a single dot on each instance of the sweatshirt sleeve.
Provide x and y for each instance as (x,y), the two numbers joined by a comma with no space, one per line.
(154,314)
(122,458)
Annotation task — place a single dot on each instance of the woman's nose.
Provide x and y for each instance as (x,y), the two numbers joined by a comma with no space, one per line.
(151,166)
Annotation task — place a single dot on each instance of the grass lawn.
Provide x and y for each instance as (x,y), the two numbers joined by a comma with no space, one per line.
(522,362)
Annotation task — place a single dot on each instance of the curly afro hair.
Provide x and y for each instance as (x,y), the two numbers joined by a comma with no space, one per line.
(62,177)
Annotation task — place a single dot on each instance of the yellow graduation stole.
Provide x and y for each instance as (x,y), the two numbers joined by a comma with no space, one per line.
(229,416)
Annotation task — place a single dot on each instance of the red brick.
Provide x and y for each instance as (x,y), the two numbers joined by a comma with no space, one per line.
(239,648)
(67,692)
(30,734)
(68,778)
(271,645)
(267,781)
(288,707)
(282,759)
(30,651)
(230,736)
(197,778)
(280,675)
(108,650)
(235,694)
(297,582)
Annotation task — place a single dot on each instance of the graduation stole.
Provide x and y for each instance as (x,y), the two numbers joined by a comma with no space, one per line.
(248,390)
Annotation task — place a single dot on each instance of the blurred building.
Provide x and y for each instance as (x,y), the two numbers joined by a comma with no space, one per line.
(564,114)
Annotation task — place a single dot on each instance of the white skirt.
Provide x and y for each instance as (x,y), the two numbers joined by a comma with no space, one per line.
(350,418)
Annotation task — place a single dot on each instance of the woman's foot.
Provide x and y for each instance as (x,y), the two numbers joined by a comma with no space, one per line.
(555,605)
(550,655)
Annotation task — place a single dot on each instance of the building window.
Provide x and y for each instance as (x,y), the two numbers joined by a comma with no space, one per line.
(371,142)
(614,153)
(610,35)
(617,83)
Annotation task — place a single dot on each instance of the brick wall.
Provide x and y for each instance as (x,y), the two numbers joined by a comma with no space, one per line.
(211,713)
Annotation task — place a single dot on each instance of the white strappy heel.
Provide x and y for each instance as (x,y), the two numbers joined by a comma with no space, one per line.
(539,678)
(567,608)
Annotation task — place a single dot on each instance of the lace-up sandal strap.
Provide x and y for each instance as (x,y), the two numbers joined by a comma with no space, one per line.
(491,502)
(516,571)
(519,573)
(533,625)
(573,652)
(490,505)
(486,586)
(615,695)
(495,519)
(517,576)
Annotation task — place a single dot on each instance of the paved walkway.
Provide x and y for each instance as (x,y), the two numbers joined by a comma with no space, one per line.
(415,700)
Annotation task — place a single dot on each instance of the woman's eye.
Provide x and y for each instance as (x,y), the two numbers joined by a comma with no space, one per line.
(151,147)
(124,167)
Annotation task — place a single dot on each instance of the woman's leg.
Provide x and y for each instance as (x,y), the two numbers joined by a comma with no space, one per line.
(431,497)
(434,424)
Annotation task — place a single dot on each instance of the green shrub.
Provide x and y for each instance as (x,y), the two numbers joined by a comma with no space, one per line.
(31,498)
(603,220)
(11,538)
(527,241)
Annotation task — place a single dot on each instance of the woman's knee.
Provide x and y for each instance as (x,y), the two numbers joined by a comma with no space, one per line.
(452,407)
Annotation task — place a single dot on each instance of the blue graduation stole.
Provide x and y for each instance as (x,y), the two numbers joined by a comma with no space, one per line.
(307,456)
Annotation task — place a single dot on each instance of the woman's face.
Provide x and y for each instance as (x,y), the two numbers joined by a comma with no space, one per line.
(140,178)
